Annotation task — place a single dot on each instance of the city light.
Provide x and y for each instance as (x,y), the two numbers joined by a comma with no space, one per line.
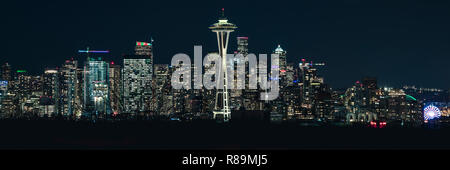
(143,44)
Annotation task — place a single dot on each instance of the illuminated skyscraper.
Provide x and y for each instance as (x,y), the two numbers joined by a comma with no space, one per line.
(137,80)
(242,43)
(79,91)
(222,29)
(22,85)
(115,87)
(9,106)
(96,85)
(282,60)
(3,91)
(51,87)
(70,102)
(236,95)
(311,85)
(370,86)
(291,93)
(209,96)
(250,97)
(5,75)
(143,48)
(6,72)
(280,105)
(3,88)
(162,97)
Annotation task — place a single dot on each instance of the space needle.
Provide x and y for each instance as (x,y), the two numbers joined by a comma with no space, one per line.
(222,29)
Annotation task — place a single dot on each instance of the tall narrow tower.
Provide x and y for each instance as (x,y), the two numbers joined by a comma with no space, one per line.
(96,84)
(222,29)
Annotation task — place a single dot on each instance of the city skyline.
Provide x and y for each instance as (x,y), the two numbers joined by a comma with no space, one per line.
(396,58)
(224,84)
(107,87)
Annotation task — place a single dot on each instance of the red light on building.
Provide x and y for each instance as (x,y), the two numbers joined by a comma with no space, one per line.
(382,124)
(373,124)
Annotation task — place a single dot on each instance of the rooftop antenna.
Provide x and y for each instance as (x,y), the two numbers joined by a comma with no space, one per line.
(223,14)
(88,51)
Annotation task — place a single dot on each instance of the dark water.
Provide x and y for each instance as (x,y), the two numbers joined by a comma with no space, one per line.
(209,135)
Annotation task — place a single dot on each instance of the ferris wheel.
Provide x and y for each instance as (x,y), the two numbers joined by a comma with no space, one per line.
(431,112)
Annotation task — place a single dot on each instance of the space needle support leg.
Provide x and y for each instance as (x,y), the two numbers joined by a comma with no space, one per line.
(217,79)
(226,106)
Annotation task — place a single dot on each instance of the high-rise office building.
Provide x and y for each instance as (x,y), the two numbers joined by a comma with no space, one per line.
(3,88)
(3,91)
(22,85)
(292,92)
(51,88)
(311,86)
(162,96)
(250,98)
(6,72)
(10,101)
(69,103)
(279,105)
(282,60)
(137,80)
(194,99)
(115,87)
(36,85)
(370,86)
(96,87)
(209,96)
(30,107)
(143,48)
(9,105)
(242,43)
(79,91)
(236,94)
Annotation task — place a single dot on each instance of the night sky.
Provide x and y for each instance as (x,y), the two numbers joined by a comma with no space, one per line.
(399,42)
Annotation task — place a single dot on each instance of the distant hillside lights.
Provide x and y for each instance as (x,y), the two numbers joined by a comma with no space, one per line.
(181,77)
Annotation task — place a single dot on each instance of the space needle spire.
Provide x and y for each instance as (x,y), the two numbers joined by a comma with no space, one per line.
(222,29)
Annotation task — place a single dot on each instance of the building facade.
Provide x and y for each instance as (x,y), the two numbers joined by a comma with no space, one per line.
(96,100)
(137,81)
